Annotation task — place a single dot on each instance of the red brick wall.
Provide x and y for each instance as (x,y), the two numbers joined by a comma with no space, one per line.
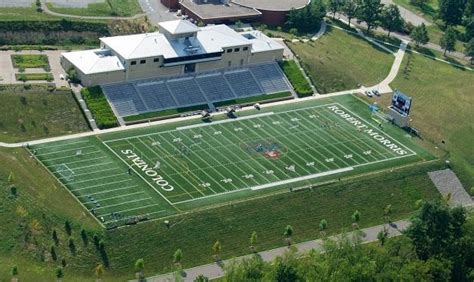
(273,18)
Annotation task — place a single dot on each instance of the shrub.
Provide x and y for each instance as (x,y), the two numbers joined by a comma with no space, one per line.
(297,79)
(99,107)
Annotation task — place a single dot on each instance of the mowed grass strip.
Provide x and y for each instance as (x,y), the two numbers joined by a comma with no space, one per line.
(34,76)
(108,8)
(341,61)
(442,108)
(30,61)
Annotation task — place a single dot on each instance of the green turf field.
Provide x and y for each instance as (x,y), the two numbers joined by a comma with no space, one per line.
(159,171)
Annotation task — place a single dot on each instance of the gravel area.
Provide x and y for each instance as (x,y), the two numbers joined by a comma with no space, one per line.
(447,182)
(16,3)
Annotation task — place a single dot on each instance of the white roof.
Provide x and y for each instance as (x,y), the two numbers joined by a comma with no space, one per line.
(209,39)
(260,42)
(178,27)
(94,61)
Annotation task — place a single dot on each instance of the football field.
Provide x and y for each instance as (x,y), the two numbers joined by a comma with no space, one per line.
(153,173)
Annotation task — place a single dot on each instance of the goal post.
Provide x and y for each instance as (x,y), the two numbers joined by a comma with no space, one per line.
(65,172)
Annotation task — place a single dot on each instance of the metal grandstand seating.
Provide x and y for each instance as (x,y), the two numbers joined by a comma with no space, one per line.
(186,91)
(125,99)
(131,98)
(270,78)
(156,95)
(243,83)
(215,87)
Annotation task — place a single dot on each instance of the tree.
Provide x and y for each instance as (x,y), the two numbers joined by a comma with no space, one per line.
(448,41)
(14,272)
(387,211)
(55,237)
(335,6)
(382,236)
(72,246)
(59,273)
(391,19)
(99,271)
(177,257)
(420,35)
(323,225)
(451,11)
(216,248)
(53,253)
(85,239)
(369,12)
(67,227)
(201,278)
(253,241)
(350,9)
(307,19)
(288,233)
(96,240)
(140,269)
(469,52)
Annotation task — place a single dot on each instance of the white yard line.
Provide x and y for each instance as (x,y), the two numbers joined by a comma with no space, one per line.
(94,179)
(107,191)
(89,166)
(89,173)
(123,203)
(77,156)
(115,197)
(100,185)
(69,163)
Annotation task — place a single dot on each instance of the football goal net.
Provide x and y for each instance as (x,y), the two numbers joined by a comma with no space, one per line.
(65,172)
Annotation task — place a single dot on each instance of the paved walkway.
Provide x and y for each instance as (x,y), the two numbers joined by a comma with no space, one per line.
(213,270)
(408,15)
(447,182)
(7,71)
(156,12)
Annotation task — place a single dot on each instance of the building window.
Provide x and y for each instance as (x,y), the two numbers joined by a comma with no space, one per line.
(246,48)
(133,63)
(229,63)
(229,50)
(236,49)
(142,62)
(156,60)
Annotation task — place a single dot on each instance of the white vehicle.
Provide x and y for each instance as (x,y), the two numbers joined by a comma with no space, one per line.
(369,94)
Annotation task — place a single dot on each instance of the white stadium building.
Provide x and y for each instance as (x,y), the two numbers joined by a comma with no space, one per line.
(179,48)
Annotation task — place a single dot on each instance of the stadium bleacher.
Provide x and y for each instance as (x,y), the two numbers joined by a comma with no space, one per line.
(132,98)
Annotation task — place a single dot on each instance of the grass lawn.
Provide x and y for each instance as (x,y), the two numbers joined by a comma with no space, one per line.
(37,113)
(34,76)
(442,108)
(99,107)
(297,79)
(340,61)
(108,8)
(30,61)
(16,14)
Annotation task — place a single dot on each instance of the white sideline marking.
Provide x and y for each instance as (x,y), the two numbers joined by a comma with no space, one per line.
(224,121)
(311,176)
(132,209)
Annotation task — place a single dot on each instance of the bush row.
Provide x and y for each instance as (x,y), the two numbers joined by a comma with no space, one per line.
(51,26)
(99,107)
(297,79)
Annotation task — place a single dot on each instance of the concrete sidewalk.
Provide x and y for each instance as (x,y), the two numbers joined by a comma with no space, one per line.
(213,270)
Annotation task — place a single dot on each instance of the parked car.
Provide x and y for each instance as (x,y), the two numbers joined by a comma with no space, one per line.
(369,94)
(376,92)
